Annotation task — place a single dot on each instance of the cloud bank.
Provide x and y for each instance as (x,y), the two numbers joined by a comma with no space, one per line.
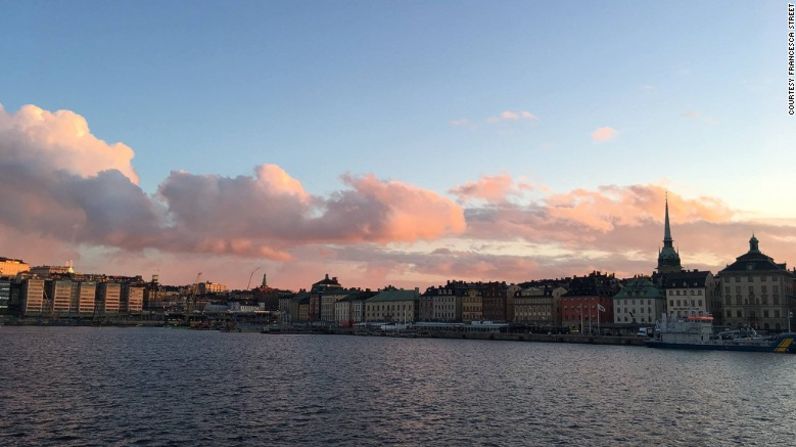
(66,192)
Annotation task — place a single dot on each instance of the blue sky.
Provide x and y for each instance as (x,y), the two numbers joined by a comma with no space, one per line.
(323,88)
(405,90)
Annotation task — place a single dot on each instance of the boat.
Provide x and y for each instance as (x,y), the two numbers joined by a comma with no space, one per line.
(696,333)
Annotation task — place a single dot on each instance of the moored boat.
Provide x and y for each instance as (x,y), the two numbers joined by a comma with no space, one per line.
(696,333)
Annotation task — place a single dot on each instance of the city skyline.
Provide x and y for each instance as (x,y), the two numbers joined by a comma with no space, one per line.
(398,148)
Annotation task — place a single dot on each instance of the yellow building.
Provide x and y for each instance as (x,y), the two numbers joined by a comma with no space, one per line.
(10,267)
(59,295)
(472,306)
(109,297)
(132,299)
(86,293)
(393,304)
(32,296)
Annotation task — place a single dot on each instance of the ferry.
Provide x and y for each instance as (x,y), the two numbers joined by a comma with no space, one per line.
(696,333)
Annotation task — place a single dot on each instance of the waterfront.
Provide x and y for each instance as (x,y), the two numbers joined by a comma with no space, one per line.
(157,386)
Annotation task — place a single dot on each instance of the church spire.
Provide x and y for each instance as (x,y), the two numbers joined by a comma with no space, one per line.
(668,257)
(667,231)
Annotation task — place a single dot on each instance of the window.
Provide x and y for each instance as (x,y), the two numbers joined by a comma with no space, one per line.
(699,292)
(740,314)
(776,313)
(765,313)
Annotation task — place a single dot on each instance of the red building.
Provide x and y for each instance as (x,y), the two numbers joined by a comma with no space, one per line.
(588,304)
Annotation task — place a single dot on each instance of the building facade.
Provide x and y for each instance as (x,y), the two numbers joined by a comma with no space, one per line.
(11,267)
(538,306)
(5,295)
(472,305)
(31,297)
(688,293)
(588,301)
(639,303)
(109,296)
(132,299)
(59,293)
(393,305)
(446,304)
(757,292)
(86,297)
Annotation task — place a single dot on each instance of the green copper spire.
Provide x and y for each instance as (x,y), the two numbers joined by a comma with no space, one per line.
(668,258)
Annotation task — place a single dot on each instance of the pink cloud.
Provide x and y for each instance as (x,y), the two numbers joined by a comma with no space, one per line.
(60,140)
(512,115)
(603,134)
(490,188)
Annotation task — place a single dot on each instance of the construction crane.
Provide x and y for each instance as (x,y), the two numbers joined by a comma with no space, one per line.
(190,300)
(251,275)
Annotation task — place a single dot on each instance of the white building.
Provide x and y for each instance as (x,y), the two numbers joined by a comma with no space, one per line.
(639,302)
(688,293)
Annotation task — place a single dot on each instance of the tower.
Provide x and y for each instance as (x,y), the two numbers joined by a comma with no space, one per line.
(668,258)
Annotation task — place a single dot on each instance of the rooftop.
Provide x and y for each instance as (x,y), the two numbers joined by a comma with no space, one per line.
(395,295)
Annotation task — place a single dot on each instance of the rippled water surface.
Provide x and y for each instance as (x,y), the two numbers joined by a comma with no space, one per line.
(108,386)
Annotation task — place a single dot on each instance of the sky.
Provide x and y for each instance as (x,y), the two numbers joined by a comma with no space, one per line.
(392,142)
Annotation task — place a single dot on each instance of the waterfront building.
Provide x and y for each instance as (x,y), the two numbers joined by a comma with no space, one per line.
(108,297)
(757,292)
(446,303)
(342,312)
(284,308)
(323,309)
(587,296)
(426,307)
(640,302)
(668,257)
(47,271)
(11,267)
(538,306)
(132,298)
(472,305)
(86,292)
(5,295)
(303,308)
(391,304)
(351,309)
(328,304)
(59,293)
(688,293)
(31,297)
(497,300)
(206,287)
(294,311)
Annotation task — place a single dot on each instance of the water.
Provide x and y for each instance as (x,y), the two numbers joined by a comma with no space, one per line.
(108,386)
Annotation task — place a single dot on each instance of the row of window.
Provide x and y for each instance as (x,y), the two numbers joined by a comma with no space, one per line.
(751,278)
(694,303)
(697,292)
(739,314)
(626,310)
(740,301)
(751,289)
